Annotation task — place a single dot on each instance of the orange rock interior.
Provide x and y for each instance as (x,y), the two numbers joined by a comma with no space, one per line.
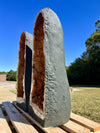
(38,64)
(21,66)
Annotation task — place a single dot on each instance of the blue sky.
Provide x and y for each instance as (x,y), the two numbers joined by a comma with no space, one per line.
(77,17)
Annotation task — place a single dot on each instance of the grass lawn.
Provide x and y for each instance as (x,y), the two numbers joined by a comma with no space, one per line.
(87,102)
(11,81)
(13,91)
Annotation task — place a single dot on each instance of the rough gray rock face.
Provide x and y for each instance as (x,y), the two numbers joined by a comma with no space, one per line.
(24,70)
(50,98)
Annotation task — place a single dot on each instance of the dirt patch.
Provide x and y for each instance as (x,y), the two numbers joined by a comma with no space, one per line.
(5,94)
(8,85)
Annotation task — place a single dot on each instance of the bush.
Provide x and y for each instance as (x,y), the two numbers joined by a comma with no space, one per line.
(11,75)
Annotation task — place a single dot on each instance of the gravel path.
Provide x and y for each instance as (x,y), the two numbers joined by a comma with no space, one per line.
(5,94)
(75,89)
(8,85)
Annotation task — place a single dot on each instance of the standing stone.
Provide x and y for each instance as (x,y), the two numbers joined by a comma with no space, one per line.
(24,70)
(50,97)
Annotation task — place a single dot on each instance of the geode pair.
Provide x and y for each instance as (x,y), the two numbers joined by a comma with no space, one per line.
(43,89)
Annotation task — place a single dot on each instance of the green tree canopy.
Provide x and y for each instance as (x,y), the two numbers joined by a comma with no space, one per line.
(11,75)
(86,69)
(3,72)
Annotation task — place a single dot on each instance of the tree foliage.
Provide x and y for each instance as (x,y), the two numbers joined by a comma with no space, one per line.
(11,75)
(97,21)
(86,69)
(3,72)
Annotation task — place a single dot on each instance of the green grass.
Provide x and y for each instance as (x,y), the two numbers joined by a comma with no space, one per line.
(13,91)
(11,81)
(86,103)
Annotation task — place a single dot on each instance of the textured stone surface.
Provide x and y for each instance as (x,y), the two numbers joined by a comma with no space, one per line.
(50,98)
(24,70)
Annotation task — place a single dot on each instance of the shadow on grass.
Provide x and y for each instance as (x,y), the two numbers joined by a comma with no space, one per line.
(96,86)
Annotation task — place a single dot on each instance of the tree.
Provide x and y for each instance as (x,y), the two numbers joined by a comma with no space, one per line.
(11,75)
(86,69)
(3,72)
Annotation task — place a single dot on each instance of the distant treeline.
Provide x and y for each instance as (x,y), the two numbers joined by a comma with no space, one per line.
(11,75)
(3,72)
(86,69)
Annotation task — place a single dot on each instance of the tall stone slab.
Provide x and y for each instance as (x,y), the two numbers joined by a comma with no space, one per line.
(50,97)
(24,70)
